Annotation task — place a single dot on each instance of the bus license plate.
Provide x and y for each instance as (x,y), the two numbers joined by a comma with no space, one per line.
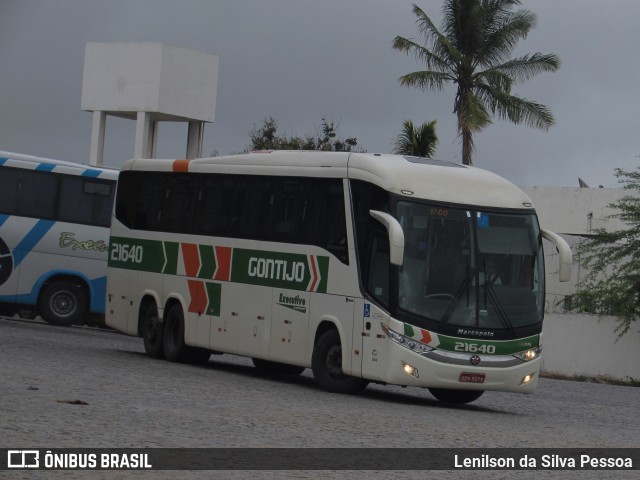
(472,377)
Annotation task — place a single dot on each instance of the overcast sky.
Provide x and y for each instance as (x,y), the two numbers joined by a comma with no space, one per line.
(301,60)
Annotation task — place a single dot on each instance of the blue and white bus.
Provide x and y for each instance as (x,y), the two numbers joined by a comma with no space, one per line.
(54,237)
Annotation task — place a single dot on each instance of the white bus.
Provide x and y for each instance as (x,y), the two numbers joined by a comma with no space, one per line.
(362,267)
(54,238)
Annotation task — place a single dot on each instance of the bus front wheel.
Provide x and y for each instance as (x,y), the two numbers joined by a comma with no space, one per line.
(450,395)
(63,303)
(326,363)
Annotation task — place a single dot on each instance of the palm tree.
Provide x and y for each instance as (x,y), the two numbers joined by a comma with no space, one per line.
(473,52)
(418,142)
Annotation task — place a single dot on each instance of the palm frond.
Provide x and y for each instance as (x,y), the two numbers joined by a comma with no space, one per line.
(504,33)
(421,53)
(425,80)
(520,110)
(525,67)
(420,141)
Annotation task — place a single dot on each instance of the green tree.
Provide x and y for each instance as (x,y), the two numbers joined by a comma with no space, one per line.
(472,52)
(267,137)
(416,141)
(612,262)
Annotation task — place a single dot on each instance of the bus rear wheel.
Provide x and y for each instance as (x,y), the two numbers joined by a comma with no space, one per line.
(63,303)
(459,397)
(175,350)
(326,363)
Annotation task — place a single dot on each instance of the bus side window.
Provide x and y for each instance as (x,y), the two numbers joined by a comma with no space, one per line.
(251,221)
(181,196)
(328,219)
(370,239)
(378,281)
(84,201)
(9,185)
(36,194)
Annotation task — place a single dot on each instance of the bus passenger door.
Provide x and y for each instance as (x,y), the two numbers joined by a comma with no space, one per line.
(289,326)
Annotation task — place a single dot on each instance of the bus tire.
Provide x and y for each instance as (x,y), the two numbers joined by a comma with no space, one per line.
(173,339)
(152,332)
(276,368)
(326,363)
(175,350)
(459,397)
(63,303)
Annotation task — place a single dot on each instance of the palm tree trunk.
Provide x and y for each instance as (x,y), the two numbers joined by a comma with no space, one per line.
(467,143)
(467,147)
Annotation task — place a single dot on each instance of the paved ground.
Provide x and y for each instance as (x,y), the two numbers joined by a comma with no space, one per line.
(133,401)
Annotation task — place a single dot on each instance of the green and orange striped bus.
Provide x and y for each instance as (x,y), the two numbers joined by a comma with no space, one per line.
(362,267)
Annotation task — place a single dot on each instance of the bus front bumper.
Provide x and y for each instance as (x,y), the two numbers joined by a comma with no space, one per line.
(445,370)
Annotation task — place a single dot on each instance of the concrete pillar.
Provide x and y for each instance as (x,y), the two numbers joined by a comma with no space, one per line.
(96,153)
(145,142)
(195,138)
(153,140)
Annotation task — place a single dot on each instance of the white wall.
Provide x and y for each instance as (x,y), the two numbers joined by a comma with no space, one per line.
(580,344)
(575,211)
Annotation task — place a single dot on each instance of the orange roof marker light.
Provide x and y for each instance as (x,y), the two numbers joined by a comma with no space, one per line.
(181,165)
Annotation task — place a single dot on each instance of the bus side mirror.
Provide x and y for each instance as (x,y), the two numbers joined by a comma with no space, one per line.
(396,236)
(565,256)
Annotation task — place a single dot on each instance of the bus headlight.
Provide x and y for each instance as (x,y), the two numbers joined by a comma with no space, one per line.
(529,355)
(407,342)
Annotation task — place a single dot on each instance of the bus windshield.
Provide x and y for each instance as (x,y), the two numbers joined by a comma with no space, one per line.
(471,268)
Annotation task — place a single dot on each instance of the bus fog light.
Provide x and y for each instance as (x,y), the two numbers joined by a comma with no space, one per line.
(527,379)
(410,370)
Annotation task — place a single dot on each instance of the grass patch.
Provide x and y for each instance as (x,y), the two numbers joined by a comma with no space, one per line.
(603,379)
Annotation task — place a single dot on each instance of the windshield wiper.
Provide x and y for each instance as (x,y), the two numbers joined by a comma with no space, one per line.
(504,318)
(456,300)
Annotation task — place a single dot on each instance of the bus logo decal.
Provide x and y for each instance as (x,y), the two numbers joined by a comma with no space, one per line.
(296,303)
(295,271)
(67,240)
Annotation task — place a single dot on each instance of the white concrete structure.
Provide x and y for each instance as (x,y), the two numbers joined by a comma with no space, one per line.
(573,213)
(149,83)
(578,344)
(581,344)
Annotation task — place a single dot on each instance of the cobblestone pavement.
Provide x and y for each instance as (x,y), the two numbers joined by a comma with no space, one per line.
(133,401)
